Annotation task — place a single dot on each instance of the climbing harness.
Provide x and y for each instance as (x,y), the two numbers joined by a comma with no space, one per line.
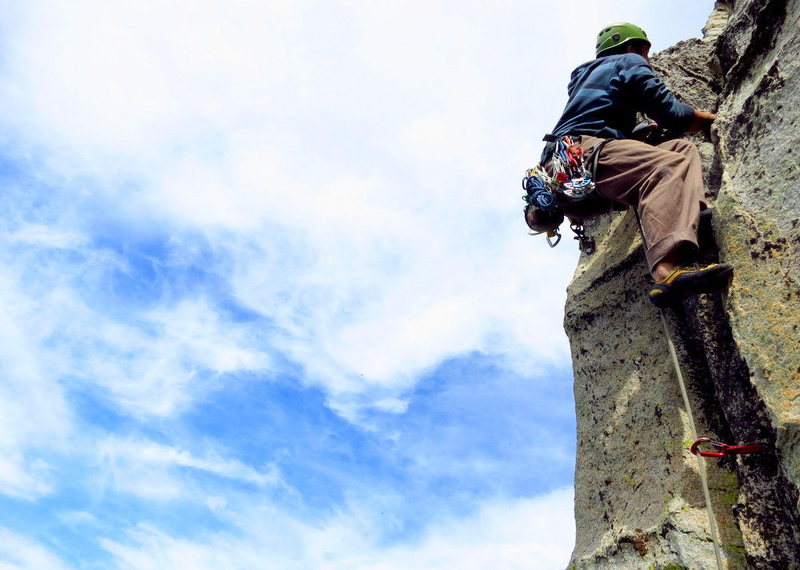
(724,449)
(569,176)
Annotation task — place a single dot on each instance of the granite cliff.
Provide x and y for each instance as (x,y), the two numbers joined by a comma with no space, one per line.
(638,499)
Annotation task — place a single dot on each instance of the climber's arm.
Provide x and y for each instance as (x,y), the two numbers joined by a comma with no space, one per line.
(702,121)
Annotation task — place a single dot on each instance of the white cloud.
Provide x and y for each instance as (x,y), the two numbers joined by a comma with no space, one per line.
(155,471)
(514,535)
(519,534)
(389,309)
(360,188)
(160,364)
(34,416)
(358,205)
(18,552)
(39,235)
(20,477)
(76,519)
(156,363)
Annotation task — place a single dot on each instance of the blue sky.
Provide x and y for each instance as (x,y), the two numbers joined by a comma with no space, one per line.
(266,295)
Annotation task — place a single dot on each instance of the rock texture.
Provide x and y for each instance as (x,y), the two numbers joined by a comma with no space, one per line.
(638,499)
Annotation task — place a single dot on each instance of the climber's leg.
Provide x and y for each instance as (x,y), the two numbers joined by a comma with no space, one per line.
(665,184)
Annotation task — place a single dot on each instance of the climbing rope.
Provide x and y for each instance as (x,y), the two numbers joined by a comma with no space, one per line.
(539,193)
(701,466)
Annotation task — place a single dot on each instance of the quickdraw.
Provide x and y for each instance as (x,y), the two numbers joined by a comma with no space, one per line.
(585,243)
(553,234)
(724,449)
(572,174)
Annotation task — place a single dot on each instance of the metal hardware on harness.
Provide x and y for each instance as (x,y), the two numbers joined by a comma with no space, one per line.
(571,172)
(724,449)
(567,176)
(585,243)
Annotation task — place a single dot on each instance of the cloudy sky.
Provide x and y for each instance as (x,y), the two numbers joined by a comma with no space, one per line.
(266,295)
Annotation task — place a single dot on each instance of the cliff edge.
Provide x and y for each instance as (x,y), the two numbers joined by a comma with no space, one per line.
(638,498)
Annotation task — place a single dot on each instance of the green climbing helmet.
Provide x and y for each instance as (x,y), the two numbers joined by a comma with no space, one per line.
(617,34)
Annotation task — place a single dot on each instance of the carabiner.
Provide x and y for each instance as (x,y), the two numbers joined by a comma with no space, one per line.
(724,449)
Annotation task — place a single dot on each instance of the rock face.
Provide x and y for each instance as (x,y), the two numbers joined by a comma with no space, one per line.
(638,498)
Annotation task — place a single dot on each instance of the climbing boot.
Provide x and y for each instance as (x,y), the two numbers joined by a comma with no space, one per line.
(688,281)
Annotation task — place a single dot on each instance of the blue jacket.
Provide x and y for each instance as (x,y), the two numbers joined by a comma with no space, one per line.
(606,93)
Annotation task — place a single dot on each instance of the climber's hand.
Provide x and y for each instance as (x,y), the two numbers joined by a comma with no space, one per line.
(643,130)
(701,122)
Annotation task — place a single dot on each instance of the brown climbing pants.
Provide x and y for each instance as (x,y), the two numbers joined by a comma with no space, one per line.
(665,185)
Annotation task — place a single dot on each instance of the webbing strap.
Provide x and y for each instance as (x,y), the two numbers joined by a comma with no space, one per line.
(596,159)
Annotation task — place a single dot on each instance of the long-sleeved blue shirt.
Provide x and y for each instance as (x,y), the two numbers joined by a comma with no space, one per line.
(606,93)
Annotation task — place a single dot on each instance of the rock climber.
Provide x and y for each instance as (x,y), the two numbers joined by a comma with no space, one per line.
(664,182)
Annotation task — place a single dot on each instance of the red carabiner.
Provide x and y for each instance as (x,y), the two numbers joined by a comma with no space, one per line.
(724,448)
